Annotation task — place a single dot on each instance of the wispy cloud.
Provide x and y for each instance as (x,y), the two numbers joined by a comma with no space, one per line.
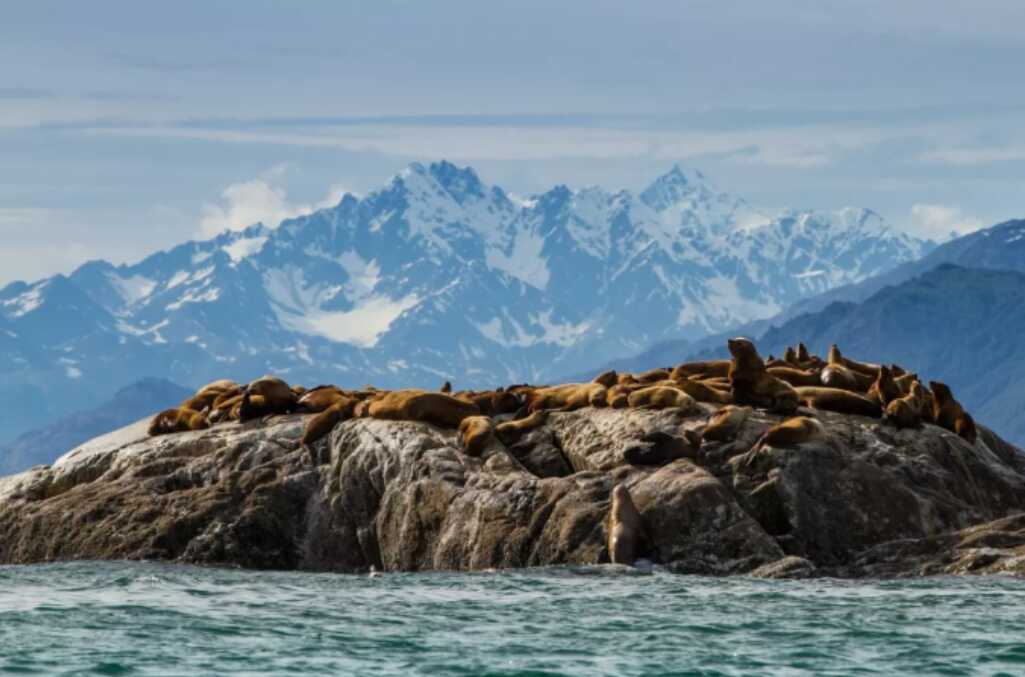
(261,200)
(940,222)
(975,156)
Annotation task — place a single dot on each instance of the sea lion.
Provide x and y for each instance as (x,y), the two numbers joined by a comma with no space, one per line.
(725,424)
(177,420)
(904,381)
(706,369)
(492,402)
(803,356)
(446,387)
(476,432)
(568,397)
(903,413)
(436,408)
(607,378)
(839,400)
(277,396)
(702,392)
(509,432)
(660,397)
(839,376)
(618,396)
(923,401)
(624,378)
(324,422)
(625,528)
(751,384)
(319,399)
(790,356)
(653,375)
(884,390)
(791,432)
(836,358)
(796,377)
(659,447)
(965,427)
(948,413)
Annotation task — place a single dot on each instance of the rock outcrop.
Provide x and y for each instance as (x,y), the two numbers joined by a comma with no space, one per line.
(868,500)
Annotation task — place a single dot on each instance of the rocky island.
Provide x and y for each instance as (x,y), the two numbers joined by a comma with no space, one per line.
(864,496)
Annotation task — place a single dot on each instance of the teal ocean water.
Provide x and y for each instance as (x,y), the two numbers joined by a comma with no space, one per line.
(142,618)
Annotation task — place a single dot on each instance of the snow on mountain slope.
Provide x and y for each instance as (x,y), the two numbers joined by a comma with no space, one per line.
(435,276)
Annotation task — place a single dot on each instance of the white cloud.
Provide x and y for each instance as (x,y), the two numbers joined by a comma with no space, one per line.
(259,200)
(975,156)
(940,221)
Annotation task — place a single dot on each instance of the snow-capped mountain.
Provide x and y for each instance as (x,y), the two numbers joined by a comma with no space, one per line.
(435,276)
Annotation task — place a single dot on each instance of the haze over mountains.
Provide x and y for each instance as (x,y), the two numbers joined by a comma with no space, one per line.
(435,276)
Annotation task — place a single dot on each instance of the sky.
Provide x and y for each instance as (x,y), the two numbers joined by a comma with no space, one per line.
(129,127)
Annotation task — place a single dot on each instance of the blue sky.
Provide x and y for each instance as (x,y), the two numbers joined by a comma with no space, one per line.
(126,127)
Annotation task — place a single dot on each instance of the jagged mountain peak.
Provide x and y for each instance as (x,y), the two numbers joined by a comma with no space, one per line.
(440,275)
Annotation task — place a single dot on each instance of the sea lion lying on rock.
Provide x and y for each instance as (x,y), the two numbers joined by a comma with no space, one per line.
(436,408)
(567,397)
(701,370)
(725,424)
(510,432)
(660,397)
(791,432)
(176,421)
(839,400)
(325,421)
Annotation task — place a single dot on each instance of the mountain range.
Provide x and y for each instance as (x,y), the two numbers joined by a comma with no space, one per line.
(436,275)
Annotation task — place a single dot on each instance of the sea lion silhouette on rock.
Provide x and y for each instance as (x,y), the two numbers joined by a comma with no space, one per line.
(948,413)
(607,378)
(625,529)
(884,390)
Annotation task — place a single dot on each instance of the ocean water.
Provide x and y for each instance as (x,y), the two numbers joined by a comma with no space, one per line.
(144,618)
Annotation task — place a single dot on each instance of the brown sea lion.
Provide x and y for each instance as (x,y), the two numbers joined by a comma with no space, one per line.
(903,413)
(790,356)
(948,413)
(177,420)
(803,356)
(923,401)
(278,397)
(324,422)
(702,392)
(653,375)
(884,390)
(476,432)
(839,376)
(509,432)
(660,397)
(436,408)
(706,369)
(446,387)
(492,402)
(840,401)
(796,377)
(904,381)
(751,384)
(725,424)
(625,528)
(319,399)
(607,378)
(965,427)
(863,368)
(791,432)
(568,397)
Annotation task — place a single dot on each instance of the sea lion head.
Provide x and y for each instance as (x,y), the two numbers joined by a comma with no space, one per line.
(940,390)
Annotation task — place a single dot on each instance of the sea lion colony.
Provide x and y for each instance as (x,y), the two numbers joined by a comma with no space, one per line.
(838,384)
(502,416)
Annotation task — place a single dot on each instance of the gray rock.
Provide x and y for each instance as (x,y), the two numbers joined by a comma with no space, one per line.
(393,495)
